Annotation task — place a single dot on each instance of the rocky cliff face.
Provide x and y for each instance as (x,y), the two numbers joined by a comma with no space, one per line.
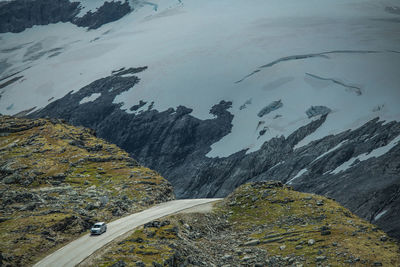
(260,224)
(56,180)
(17,15)
(173,142)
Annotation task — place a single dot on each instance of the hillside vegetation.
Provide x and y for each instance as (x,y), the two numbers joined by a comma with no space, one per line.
(260,224)
(56,180)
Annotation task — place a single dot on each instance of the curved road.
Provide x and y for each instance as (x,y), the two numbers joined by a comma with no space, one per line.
(79,249)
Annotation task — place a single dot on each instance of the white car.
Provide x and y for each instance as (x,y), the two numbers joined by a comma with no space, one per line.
(98,228)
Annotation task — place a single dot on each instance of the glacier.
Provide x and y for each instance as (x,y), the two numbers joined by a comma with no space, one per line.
(196,51)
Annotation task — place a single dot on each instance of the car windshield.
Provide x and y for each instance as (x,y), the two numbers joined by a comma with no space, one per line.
(96,226)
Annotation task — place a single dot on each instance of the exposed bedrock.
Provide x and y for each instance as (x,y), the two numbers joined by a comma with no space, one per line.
(175,143)
(18,15)
(108,12)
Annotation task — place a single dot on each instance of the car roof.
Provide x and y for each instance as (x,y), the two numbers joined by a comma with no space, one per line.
(99,223)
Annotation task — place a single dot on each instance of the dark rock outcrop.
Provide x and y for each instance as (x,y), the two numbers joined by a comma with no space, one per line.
(317,110)
(109,12)
(271,107)
(175,143)
(18,15)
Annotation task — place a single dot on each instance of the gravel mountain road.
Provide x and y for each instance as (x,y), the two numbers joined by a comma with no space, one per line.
(78,250)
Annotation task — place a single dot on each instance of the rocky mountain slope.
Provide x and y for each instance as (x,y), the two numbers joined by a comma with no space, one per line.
(350,166)
(259,224)
(305,92)
(56,180)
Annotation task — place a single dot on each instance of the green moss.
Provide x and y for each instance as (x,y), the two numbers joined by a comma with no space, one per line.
(147,245)
(289,219)
(57,154)
(283,220)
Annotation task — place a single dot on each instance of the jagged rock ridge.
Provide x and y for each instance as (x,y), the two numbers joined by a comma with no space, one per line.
(175,143)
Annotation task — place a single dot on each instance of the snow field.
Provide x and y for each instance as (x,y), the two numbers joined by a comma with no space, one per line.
(196,51)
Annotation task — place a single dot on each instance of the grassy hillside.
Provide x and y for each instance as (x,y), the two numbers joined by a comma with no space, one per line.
(56,180)
(260,224)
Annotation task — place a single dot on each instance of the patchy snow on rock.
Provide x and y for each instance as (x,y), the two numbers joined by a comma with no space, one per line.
(141,109)
(317,111)
(344,166)
(90,98)
(380,214)
(93,5)
(300,173)
(381,150)
(276,165)
(339,54)
(329,151)
(271,107)
(374,153)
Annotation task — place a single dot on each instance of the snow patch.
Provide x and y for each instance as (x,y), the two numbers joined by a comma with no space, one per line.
(127,75)
(90,98)
(329,151)
(300,173)
(344,166)
(276,165)
(381,150)
(92,5)
(380,214)
(372,137)
(374,153)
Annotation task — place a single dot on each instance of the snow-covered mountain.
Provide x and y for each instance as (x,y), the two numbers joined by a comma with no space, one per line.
(339,54)
(307,92)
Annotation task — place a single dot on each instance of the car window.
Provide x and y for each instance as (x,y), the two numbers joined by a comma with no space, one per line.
(96,226)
